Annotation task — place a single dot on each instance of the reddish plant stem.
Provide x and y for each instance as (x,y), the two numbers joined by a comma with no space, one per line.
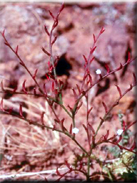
(115,104)
(23,64)
(96,82)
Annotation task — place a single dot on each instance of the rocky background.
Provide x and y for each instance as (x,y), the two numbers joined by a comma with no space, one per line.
(26,148)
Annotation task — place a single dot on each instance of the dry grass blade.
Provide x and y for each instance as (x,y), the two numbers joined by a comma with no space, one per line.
(24,174)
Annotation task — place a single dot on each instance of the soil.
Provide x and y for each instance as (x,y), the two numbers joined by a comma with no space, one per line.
(29,148)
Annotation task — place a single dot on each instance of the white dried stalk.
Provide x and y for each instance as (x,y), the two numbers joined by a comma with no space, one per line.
(24,174)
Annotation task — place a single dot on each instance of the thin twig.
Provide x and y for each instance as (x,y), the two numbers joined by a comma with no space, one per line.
(24,174)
